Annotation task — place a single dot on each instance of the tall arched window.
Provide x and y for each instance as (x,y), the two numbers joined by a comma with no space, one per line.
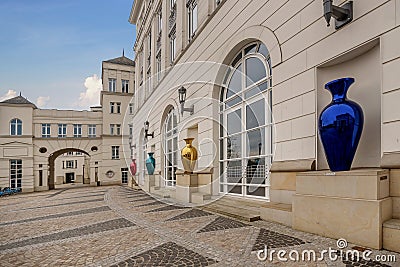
(245,114)
(170,148)
(15,127)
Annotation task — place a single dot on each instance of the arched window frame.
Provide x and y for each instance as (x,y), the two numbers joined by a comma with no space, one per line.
(246,174)
(16,127)
(170,148)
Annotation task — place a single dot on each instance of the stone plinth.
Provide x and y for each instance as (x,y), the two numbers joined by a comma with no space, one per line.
(351,205)
(149,181)
(186,184)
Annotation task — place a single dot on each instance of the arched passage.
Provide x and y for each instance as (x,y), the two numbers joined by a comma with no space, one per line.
(52,167)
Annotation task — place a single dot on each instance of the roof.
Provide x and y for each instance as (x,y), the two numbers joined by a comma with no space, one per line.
(121,61)
(18,100)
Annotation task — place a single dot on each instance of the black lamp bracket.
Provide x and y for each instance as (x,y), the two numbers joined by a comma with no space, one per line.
(342,14)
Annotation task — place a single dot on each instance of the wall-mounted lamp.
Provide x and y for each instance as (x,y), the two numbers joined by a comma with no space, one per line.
(182,100)
(342,14)
(146,130)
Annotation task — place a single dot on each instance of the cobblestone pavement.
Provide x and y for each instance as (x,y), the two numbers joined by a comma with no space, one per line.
(119,226)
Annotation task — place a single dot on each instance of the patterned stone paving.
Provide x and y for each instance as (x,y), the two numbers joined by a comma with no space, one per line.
(151,204)
(349,261)
(168,254)
(125,227)
(142,199)
(86,230)
(273,239)
(222,223)
(63,204)
(66,214)
(193,213)
(167,208)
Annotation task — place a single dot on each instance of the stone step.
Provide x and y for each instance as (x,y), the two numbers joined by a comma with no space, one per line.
(391,235)
(235,212)
(251,210)
(199,198)
(396,208)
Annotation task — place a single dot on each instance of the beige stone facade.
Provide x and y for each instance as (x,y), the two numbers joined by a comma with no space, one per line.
(34,142)
(303,55)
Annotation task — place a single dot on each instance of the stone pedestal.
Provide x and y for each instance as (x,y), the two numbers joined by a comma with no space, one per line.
(149,181)
(351,205)
(186,184)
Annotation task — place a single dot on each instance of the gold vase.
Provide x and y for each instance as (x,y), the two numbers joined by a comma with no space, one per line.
(189,156)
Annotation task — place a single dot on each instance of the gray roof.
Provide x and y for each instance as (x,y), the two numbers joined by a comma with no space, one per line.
(18,100)
(121,61)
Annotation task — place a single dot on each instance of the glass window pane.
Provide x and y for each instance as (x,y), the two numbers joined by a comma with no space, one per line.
(263,50)
(235,189)
(233,101)
(255,71)
(234,146)
(234,122)
(255,114)
(234,172)
(235,84)
(257,89)
(255,171)
(250,49)
(256,142)
(256,191)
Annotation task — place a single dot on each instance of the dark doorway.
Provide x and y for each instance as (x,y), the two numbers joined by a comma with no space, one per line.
(70,177)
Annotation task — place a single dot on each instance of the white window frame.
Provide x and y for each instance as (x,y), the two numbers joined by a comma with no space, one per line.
(15,173)
(112,127)
(125,86)
(159,21)
(70,164)
(158,65)
(118,129)
(240,172)
(92,130)
(46,130)
(112,107)
(77,130)
(112,85)
(114,152)
(192,18)
(124,175)
(170,136)
(131,108)
(172,44)
(118,104)
(16,127)
(62,130)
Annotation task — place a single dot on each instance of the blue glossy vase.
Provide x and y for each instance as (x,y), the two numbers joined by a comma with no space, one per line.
(150,163)
(340,125)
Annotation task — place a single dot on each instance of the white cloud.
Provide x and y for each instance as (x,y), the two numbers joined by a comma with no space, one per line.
(8,95)
(42,101)
(91,96)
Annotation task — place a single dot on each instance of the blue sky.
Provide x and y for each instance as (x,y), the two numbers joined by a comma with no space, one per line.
(50,48)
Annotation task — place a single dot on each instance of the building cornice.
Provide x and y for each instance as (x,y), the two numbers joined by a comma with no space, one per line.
(133,16)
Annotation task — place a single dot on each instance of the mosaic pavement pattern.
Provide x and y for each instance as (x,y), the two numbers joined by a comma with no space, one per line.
(168,254)
(193,213)
(275,240)
(118,226)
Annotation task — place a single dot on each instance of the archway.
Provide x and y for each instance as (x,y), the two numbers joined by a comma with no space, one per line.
(52,168)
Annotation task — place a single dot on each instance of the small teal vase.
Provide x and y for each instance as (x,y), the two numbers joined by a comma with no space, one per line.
(150,163)
(340,126)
